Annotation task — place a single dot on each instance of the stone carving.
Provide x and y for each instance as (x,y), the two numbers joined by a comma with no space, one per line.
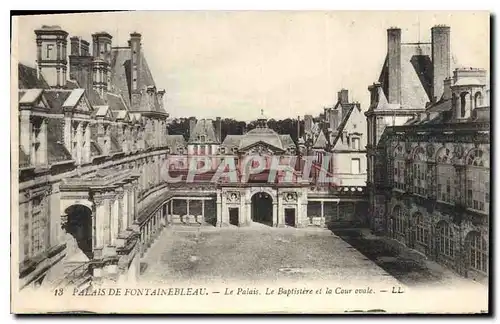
(233,197)
(430,150)
(458,151)
(290,196)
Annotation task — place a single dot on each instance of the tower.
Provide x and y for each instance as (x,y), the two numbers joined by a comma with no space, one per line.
(101,50)
(51,55)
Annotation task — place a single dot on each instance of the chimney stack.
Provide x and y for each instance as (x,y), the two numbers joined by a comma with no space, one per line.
(192,124)
(447,88)
(135,67)
(440,59)
(80,63)
(218,129)
(343,96)
(394,64)
(308,119)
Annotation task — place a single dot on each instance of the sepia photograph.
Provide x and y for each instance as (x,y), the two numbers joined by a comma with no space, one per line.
(250,162)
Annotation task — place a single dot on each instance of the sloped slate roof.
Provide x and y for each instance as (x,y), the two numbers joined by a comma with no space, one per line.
(115,102)
(55,148)
(416,75)
(28,78)
(56,99)
(261,134)
(203,127)
(120,76)
(174,141)
(232,141)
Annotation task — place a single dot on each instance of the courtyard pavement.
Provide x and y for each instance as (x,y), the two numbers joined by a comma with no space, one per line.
(256,254)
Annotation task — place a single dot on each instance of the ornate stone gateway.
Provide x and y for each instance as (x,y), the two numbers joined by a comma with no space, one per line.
(272,205)
(262,208)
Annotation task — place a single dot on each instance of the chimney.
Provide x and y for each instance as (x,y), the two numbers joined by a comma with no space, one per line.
(75,45)
(394,64)
(161,94)
(308,119)
(135,67)
(52,41)
(101,48)
(440,58)
(80,63)
(343,96)
(192,124)
(298,128)
(218,129)
(447,88)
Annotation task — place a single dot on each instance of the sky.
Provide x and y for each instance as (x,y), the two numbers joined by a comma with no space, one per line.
(288,63)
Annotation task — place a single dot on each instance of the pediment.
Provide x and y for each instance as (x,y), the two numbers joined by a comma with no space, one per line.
(261,148)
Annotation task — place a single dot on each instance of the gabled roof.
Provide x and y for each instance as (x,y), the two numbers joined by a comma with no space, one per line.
(74,98)
(321,141)
(116,102)
(203,127)
(30,96)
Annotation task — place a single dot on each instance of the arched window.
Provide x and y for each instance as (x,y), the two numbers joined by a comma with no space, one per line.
(445,176)
(419,172)
(478,251)
(422,231)
(463,103)
(399,220)
(447,240)
(478,181)
(399,168)
(478,99)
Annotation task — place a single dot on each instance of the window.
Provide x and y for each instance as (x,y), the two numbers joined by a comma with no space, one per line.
(478,99)
(445,176)
(355,143)
(463,103)
(399,220)
(422,231)
(202,138)
(478,182)
(355,166)
(37,227)
(399,169)
(419,172)
(478,253)
(447,241)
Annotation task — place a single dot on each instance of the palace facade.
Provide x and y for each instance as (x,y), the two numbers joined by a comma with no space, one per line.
(429,154)
(93,151)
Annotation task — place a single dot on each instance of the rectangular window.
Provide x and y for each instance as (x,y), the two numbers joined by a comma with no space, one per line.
(355,166)
(446,183)
(355,143)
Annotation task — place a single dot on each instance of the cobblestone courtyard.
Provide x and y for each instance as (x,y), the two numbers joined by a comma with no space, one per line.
(254,254)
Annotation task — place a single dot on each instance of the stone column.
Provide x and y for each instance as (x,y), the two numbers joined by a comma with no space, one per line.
(99,222)
(219,208)
(431,180)
(126,208)
(115,218)
(322,219)
(248,212)
(170,212)
(203,210)
(275,214)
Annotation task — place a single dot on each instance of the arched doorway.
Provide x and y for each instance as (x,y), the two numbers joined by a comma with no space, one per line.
(79,225)
(262,208)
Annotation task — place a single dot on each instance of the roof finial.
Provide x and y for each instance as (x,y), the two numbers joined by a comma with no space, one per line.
(262,112)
